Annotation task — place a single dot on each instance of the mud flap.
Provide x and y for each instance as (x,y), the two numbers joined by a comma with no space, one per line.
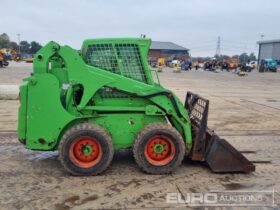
(221,156)
(209,147)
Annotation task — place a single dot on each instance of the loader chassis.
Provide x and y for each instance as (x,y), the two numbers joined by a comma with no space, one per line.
(101,99)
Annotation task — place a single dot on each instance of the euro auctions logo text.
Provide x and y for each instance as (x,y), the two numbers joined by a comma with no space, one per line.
(226,198)
(192,198)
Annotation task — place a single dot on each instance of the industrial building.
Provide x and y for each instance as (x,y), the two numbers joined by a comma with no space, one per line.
(167,50)
(269,49)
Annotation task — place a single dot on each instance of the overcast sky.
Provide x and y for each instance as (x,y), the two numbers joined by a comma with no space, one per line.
(194,24)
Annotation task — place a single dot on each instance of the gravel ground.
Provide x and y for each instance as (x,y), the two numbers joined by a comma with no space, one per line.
(243,110)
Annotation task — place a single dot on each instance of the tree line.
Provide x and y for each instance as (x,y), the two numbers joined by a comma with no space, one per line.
(243,57)
(25,46)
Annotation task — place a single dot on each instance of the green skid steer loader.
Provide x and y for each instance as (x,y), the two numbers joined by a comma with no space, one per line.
(87,105)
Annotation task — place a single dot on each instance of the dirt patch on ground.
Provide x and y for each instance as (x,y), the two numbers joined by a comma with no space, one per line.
(36,180)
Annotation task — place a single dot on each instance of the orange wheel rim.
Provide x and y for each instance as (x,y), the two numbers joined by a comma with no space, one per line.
(159,150)
(85,152)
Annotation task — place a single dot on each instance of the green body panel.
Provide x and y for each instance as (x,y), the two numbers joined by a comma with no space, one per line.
(22,114)
(125,127)
(65,89)
(46,117)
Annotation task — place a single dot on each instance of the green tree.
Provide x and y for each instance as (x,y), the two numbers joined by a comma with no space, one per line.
(225,57)
(252,57)
(4,40)
(34,47)
(244,58)
(222,57)
(13,45)
(24,47)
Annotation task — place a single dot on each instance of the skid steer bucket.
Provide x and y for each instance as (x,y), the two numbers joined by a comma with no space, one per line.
(219,155)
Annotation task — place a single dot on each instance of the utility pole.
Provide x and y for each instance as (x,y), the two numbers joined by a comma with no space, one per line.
(218,48)
(18,35)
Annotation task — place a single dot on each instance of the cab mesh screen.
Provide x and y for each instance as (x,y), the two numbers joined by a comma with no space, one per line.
(102,56)
(130,58)
(125,59)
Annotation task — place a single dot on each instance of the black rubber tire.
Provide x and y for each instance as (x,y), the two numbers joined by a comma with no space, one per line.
(148,132)
(91,130)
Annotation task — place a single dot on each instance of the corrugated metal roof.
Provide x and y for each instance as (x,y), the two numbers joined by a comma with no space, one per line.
(269,41)
(156,45)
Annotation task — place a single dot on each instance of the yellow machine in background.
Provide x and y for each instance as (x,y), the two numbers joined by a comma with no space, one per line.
(160,64)
(177,66)
(3,51)
(3,57)
(10,54)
